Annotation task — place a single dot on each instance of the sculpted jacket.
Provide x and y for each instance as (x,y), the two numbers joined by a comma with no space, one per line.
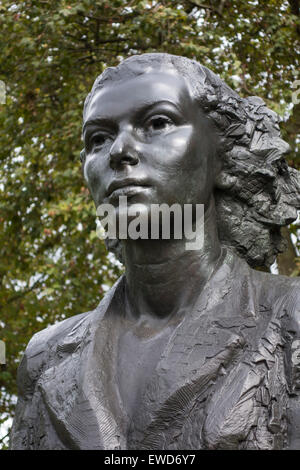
(228,377)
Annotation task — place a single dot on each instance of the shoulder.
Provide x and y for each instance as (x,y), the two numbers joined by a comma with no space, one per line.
(39,348)
(283,293)
(65,334)
(51,335)
(269,292)
(270,286)
(277,283)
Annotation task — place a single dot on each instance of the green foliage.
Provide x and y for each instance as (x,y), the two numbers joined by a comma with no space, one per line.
(52,265)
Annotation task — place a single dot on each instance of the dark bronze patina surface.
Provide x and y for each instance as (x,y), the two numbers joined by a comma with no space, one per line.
(189,349)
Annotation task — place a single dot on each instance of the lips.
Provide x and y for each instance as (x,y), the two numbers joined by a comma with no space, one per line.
(129,182)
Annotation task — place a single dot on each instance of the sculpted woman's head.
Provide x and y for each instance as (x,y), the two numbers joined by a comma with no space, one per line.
(177,130)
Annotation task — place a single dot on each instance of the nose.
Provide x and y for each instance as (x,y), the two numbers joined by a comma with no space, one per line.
(124,150)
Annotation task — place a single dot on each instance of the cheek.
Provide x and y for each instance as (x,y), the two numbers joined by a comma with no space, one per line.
(186,168)
(93,171)
(172,152)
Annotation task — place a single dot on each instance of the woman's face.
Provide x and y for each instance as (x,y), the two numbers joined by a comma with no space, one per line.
(146,138)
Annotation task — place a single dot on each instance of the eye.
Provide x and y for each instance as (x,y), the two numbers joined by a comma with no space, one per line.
(158,123)
(99,140)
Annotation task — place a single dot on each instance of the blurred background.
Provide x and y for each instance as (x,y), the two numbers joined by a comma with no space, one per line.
(52,264)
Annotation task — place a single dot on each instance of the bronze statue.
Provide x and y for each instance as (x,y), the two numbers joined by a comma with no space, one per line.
(189,349)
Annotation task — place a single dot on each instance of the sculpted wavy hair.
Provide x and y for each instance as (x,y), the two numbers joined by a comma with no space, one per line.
(256,192)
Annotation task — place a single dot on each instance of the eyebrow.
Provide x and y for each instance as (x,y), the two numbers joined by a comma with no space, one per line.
(104,121)
(108,121)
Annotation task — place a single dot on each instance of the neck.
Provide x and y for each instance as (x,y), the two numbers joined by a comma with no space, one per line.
(163,279)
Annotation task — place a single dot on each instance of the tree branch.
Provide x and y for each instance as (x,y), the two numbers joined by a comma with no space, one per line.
(4,437)
(24,292)
(295,9)
(218,11)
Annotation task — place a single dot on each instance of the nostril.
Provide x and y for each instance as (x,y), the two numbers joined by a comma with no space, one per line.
(131,159)
(123,150)
(124,159)
(123,156)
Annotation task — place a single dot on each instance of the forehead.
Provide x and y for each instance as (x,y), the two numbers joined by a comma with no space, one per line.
(122,97)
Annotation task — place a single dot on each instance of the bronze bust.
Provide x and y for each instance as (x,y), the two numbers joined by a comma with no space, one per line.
(189,349)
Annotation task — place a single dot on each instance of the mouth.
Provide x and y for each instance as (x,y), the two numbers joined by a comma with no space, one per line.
(125,187)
